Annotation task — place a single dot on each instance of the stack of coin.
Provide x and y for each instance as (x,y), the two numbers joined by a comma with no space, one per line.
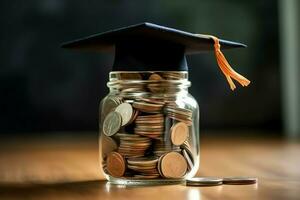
(179,114)
(147,107)
(173,75)
(145,167)
(172,165)
(133,145)
(154,100)
(151,126)
(161,147)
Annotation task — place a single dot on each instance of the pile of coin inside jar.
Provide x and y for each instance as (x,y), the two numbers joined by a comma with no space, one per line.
(145,136)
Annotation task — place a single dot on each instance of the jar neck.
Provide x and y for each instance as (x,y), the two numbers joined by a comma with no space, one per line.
(158,83)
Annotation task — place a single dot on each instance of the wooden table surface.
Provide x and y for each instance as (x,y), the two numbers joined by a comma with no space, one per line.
(67,167)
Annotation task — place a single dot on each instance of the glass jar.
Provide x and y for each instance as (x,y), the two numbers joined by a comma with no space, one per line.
(149,128)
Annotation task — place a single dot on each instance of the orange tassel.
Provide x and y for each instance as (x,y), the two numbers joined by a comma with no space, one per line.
(225,67)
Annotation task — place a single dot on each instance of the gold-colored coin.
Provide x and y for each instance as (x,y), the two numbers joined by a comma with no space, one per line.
(107,145)
(115,164)
(147,107)
(112,123)
(173,165)
(179,133)
(155,77)
(155,87)
(152,100)
(147,117)
(126,112)
(133,145)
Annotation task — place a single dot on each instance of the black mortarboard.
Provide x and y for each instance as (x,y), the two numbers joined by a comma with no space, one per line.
(148,47)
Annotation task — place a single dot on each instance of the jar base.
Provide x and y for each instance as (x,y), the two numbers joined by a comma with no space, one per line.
(145,182)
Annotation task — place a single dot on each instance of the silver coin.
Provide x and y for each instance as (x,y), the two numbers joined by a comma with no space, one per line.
(109,104)
(112,123)
(204,181)
(126,111)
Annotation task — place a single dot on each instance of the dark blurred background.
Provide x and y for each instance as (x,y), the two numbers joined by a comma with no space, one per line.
(45,88)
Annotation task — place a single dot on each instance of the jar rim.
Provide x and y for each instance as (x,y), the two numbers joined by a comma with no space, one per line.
(178,79)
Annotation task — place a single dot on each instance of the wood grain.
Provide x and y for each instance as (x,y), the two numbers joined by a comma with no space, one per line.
(68,168)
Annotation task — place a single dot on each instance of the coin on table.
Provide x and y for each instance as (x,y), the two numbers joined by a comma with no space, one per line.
(239,180)
(179,133)
(204,181)
(126,111)
(115,164)
(112,123)
(173,165)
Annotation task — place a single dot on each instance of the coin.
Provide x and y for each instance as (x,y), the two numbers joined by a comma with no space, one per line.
(173,75)
(115,164)
(173,165)
(126,112)
(112,123)
(155,87)
(147,107)
(132,145)
(188,159)
(151,126)
(109,104)
(134,116)
(155,77)
(239,180)
(187,149)
(204,181)
(152,100)
(108,145)
(179,114)
(131,76)
(162,147)
(144,166)
(179,133)
(143,161)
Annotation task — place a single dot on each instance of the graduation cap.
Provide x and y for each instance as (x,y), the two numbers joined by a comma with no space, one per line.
(150,47)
